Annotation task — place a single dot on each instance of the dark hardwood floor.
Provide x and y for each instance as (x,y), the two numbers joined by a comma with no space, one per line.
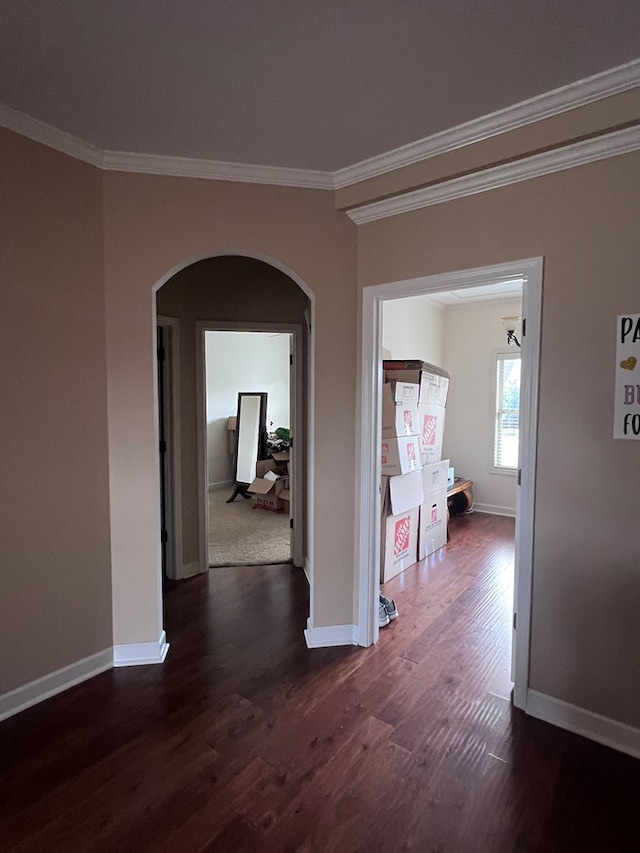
(245,740)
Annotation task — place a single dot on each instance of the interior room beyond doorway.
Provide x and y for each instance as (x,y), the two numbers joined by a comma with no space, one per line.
(243,528)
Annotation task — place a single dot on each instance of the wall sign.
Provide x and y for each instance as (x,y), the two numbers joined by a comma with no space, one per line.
(626,411)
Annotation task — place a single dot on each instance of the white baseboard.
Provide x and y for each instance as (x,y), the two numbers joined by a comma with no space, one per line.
(604,730)
(55,682)
(492,509)
(135,654)
(188,570)
(332,635)
(221,484)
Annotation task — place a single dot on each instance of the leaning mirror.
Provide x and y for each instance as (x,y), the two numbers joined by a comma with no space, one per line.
(251,440)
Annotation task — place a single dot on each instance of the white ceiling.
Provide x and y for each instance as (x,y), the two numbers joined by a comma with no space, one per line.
(511,289)
(306,84)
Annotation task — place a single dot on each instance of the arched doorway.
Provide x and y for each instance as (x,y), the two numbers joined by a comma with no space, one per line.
(227,291)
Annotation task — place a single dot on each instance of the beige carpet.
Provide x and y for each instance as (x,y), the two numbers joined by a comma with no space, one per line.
(240,535)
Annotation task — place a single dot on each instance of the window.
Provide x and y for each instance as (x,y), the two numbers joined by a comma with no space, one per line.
(507,423)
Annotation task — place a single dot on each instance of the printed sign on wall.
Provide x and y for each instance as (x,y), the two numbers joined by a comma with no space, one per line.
(627,403)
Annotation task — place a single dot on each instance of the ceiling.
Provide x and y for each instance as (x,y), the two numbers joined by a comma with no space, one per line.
(304,84)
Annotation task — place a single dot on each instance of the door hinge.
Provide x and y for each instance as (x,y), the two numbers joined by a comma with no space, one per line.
(524,327)
(515,621)
(290,360)
(164,536)
(519,476)
(163,447)
(291,523)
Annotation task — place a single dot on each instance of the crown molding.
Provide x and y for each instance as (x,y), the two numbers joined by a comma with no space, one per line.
(569,97)
(578,154)
(603,85)
(215,170)
(50,136)
(156,164)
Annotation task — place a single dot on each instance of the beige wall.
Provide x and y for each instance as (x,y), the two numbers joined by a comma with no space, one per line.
(230,289)
(55,603)
(155,226)
(414,328)
(586,585)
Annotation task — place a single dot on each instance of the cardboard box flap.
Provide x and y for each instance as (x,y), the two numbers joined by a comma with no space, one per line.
(281,456)
(405,492)
(261,486)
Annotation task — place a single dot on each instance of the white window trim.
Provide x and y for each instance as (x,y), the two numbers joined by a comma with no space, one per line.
(497,354)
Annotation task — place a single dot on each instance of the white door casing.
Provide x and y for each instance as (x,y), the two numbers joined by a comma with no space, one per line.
(369,437)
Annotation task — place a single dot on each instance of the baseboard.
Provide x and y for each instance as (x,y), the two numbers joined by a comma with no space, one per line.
(137,654)
(492,509)
(188,570)
(604,730)
(332,635)
(55,682)
(222,484)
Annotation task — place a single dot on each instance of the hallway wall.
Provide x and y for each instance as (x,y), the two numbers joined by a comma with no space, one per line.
(55,604)
(154,226)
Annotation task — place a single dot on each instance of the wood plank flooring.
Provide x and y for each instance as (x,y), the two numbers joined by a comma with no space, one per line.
(245,740)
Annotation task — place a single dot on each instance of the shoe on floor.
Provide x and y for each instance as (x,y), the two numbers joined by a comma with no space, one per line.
(383,616)
(389,606)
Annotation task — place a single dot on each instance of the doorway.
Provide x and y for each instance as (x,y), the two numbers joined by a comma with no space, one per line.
(529,272)
(242,528)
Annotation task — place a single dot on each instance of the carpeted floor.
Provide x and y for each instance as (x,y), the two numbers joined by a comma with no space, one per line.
(240,535)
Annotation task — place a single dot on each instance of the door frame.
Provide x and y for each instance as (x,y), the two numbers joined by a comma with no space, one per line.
(530,271)
(173,456)
(299,449)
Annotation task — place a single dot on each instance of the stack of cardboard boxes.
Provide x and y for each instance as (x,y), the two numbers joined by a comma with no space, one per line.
(414,475)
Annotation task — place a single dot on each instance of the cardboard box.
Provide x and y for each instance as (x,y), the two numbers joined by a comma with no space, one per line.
(268,485)
(398,548)
(399,417)
(402,493)
(408,392)
(431,433)
(434,478)
(231,433)
(433,512)
(433,524)
(285,494)
(402,497)
(400,454)
(433,381)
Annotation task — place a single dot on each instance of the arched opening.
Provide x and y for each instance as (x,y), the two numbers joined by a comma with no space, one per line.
(224,292)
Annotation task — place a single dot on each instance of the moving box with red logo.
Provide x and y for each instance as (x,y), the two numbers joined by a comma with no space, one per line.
(401,499)
(433,511)
(433,381)
(400,454)
(399,415)
(431,419)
